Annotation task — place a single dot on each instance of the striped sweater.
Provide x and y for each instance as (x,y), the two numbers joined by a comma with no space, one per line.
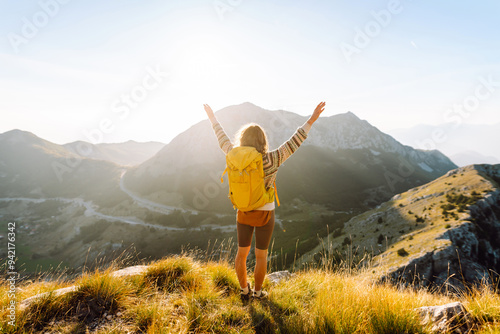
(271,160)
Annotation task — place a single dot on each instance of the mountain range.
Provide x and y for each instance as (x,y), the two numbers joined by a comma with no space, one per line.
(346,166)
(33,167)
(344,163)
(129,153)
(345,160)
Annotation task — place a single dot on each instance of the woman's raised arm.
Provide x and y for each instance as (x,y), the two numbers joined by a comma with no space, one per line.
(282,153)
(224,141)
(210,113)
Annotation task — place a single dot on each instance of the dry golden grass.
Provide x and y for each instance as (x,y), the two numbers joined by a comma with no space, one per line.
(181,295)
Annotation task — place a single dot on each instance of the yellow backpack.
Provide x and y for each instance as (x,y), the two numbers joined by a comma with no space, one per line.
(247,189)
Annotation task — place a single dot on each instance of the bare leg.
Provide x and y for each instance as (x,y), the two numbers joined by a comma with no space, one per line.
(240,264)
(260,267)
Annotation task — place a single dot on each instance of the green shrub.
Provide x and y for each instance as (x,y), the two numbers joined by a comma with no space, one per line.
(402,252)
(448,206)
(347,241)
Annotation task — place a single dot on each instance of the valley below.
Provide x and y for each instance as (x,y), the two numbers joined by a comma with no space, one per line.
(68,234)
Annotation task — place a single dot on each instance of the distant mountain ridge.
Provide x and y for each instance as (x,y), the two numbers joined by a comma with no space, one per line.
(465,144)
(470,157)
(129,153)
(352,149)
(33,167)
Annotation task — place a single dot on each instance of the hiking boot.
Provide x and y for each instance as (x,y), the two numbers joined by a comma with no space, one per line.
(246,296)
(260,294)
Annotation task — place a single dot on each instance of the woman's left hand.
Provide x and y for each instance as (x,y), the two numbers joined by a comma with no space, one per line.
(319,109)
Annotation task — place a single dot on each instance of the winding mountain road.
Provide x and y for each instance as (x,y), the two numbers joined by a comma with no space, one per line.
(153,206)
(150,205)
(90,210)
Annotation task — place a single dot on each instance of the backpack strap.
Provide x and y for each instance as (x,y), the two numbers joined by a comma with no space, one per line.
(276,193)
(222,176)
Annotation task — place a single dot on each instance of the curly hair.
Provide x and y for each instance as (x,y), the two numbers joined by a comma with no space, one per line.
(252,135)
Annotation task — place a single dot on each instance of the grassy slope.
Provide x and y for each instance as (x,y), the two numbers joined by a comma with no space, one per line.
(392,226)
(180,295)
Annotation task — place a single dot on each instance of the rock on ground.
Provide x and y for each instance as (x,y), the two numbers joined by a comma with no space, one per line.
(450,318)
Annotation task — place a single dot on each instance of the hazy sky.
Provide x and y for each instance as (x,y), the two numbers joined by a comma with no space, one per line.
(109,71)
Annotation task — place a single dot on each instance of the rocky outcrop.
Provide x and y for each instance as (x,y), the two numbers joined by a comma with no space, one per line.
(451,265)
(472,252)
(279,276)
(451,318)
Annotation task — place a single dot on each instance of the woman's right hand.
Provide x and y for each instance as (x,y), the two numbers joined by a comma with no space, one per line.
(319,109)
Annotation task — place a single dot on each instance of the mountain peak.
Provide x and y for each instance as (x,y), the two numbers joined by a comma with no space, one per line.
(17,132)
(348,116)
(249,104)
(351,114)
(19,136)
(242,107)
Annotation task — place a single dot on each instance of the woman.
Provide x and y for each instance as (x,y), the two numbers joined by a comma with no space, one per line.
(263,217)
